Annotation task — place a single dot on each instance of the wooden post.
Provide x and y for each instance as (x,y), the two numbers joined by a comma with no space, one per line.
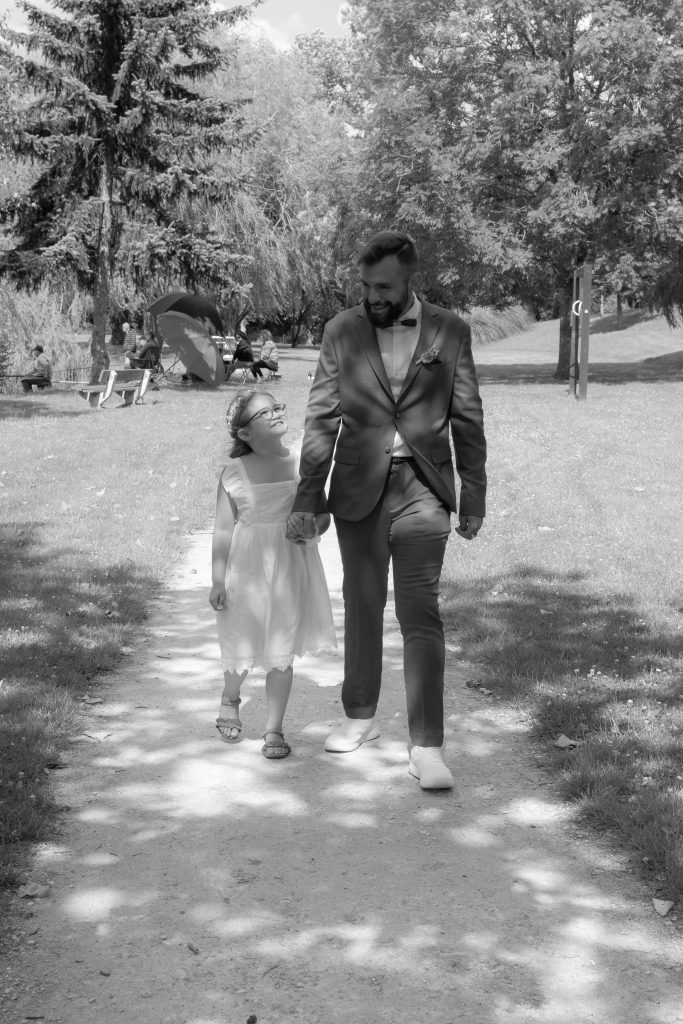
(581,311)
(573,355)
(585,321)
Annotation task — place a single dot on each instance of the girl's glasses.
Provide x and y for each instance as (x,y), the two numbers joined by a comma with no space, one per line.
(267,414)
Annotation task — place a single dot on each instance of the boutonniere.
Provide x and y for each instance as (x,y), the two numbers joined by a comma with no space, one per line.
(429,358)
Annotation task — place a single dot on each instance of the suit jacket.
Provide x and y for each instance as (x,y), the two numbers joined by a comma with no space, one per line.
(352,416)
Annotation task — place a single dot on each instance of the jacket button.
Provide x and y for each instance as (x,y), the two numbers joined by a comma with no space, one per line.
(387,449)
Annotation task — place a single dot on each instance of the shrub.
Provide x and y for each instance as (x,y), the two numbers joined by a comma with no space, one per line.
(36,318)
(495,324)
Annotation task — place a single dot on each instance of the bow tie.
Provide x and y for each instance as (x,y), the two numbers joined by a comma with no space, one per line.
(408,322)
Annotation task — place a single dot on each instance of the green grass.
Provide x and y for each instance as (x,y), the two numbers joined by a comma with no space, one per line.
(94,508)
(571,601)
(568,605)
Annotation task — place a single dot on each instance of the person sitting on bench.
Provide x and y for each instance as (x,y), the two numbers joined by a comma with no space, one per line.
(242,359)
(268,358)
(41,374)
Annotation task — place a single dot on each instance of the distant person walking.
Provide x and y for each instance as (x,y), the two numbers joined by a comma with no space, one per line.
(270,596)
(41,374)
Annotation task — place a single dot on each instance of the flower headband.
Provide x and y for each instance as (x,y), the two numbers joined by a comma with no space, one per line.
(236,410)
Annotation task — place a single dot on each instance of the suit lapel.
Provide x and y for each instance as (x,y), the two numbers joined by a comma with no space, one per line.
(368,340)
(428,332)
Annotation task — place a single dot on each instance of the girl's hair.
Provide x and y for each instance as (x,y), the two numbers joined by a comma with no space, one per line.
(237,417)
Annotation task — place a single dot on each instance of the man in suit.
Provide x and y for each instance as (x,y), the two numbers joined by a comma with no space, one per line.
(395,377)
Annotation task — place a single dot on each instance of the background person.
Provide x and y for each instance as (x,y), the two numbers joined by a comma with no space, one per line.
(130,344)
(395,382)
(41,374)
(242,359)
(269,357)
(146,357)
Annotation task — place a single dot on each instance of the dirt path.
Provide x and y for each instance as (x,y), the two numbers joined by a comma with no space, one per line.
(196,883)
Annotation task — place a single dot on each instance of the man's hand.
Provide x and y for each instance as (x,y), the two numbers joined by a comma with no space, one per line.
(301,527)
(469,526)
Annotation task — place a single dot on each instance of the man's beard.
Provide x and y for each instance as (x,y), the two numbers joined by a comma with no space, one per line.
(385,317)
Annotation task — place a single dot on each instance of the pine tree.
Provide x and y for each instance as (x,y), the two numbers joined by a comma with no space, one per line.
(119,126)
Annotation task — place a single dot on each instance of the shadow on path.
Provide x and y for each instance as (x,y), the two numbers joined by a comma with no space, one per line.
(198,882)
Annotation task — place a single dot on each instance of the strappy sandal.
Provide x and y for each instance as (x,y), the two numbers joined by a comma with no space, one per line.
(275,750)
(225,724)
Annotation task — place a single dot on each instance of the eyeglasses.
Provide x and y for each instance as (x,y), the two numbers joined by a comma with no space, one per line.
(267,414)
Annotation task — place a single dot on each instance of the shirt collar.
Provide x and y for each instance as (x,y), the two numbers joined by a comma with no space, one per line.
(413,310)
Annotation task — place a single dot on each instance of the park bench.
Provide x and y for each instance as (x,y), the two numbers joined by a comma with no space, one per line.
(130,384)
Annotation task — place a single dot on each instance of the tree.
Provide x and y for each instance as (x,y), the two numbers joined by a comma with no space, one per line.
(418,172)
(580,141)
(118,126)
(287,177)
(521,139)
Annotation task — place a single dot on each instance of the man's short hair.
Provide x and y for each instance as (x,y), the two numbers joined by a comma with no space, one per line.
(390,243)
(38,348)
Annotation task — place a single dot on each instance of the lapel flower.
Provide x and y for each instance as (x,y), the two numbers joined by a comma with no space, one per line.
(429,358)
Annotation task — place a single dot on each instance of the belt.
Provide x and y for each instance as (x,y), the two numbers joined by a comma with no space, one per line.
(401,458)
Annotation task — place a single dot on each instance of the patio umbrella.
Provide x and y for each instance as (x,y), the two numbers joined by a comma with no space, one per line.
(193,345)
(192,305)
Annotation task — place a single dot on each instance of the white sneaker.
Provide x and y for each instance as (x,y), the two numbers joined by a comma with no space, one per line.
(351,734)
(427,765)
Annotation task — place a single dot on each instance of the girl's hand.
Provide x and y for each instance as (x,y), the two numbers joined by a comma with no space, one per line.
(218,597)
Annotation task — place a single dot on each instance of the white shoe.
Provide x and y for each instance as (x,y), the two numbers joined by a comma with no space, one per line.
(350,735)
(427,766)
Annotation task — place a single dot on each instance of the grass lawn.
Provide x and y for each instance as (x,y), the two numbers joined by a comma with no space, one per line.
(568,604)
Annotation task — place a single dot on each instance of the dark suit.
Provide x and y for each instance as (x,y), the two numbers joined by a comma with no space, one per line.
(400,512)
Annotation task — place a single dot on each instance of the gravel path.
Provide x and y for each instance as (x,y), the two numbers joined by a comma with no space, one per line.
(197,883)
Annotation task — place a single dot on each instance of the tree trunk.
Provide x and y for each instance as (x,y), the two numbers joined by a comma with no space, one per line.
(98,351)
(564,356)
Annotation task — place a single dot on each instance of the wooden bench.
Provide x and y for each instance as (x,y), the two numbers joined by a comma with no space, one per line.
(130,384)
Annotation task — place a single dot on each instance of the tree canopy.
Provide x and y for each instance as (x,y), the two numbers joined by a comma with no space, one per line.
(515,140)
(520,139)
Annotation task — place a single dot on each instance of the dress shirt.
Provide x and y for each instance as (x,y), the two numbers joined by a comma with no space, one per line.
(397,346)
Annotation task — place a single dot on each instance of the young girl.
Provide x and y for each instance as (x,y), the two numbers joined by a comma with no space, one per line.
(270,595)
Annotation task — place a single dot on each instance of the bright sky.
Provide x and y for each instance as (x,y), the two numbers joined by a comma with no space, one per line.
(282,20)
(279,20)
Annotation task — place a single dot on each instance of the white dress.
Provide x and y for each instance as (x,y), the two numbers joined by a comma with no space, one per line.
(278,604)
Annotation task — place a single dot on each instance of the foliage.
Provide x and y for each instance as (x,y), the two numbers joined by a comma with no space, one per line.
(118,125)
(488,324)
(518,140)
(37,317)
(288,176)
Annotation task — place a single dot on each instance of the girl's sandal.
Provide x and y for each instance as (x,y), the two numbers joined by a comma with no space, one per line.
(275,749)
(227,726)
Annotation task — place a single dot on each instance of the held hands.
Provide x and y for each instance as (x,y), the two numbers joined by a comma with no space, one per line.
(301,527)
(217,597)
(469,527)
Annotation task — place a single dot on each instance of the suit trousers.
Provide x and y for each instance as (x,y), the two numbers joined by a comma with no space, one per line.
(409,526)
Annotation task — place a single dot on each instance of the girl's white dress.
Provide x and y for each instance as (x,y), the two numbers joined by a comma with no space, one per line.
(278,604)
